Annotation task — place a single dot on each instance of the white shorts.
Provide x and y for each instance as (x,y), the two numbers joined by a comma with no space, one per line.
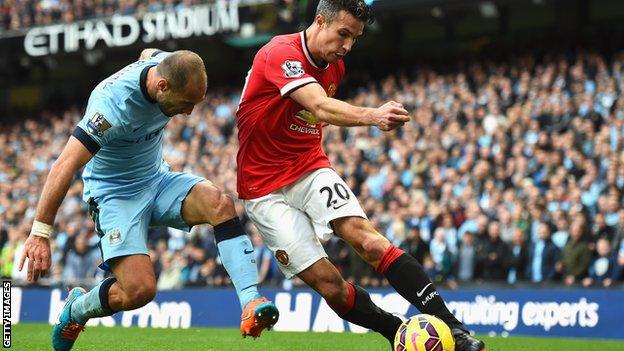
(293,219)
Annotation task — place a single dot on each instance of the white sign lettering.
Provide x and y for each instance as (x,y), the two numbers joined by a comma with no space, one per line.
(120,31)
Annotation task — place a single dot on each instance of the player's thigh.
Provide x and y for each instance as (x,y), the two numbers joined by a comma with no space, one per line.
(324,196)
(122,224)
(286,231)
(172,200)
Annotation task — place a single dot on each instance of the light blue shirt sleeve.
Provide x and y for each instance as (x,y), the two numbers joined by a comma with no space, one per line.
(101,124)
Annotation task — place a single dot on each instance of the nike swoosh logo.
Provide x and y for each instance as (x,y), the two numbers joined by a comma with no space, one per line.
(248,252)
(337,207)
(420,293)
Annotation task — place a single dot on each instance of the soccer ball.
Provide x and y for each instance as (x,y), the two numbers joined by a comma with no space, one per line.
(424,332)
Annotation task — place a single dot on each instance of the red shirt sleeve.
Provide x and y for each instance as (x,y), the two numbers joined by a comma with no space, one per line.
(285,69)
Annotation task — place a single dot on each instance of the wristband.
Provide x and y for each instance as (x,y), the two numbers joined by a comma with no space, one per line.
(41,229)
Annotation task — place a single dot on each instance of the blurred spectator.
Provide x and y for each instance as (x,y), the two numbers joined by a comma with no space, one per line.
(19,236)
(338,250)
(81,261)
(466,260)
(560,237)
(10,252)
(450,234)
(494,255)
(414,245)
(268,271)
(618,231)
(440,256)
(507,228)
(518,260)
(604,268)
(199,268)
(543,257)
(619,271)
(575,256)
(287,15)
(171,273)
(601,229)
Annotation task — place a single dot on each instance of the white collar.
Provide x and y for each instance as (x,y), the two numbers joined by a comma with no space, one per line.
(304,46)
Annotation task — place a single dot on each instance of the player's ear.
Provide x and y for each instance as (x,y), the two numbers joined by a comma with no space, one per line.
(162,84)
(320,20)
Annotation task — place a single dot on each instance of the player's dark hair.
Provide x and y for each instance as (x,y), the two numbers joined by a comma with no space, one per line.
(357,8)
(180,67)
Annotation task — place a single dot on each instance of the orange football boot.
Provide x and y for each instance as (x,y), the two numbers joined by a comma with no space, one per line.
(259,314)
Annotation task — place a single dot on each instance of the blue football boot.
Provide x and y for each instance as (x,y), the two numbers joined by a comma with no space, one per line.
(66,331)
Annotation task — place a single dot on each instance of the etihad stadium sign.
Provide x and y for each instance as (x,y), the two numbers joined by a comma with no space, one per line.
(119,30)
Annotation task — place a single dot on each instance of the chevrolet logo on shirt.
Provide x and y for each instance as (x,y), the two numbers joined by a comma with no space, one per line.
(305,130)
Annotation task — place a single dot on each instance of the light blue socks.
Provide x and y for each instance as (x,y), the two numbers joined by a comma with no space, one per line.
(238,258)
(93,304)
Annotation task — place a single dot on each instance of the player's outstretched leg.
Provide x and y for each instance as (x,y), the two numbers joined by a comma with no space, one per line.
(350,302)
(136,287)
(205,203)
(66,330)
(79,308)
(237,255)
(405,275)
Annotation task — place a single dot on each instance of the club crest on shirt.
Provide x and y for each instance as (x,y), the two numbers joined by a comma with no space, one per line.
(292,69)
(97,125)
(282,257)
(114,236)
(331,90)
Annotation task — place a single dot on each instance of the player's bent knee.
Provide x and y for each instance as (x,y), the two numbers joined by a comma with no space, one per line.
(332,288)
(139,292)
(335,294)
(141,296)
(225,206)
(373,247)
(220,208)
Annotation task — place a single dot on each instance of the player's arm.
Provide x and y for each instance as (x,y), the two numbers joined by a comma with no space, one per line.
(74,156)
(329,110)
(37,246)
(148,53)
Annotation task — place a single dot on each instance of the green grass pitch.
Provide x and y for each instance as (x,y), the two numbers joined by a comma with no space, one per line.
(37,337)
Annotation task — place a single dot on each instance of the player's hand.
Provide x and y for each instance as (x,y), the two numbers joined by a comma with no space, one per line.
(390,115)
(37,250)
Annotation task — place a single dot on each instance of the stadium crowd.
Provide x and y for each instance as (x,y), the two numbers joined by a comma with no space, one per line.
(508,172)
(20,14)
(17,14)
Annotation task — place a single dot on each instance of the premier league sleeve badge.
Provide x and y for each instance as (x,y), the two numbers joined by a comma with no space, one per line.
(97,125)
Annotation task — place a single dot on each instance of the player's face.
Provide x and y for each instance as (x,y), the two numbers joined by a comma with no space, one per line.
(173,103)
(337,37)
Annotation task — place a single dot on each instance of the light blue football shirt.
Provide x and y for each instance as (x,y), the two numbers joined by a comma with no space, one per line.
(123,128)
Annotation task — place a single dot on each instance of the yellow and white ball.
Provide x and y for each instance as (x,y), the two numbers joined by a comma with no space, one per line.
(424,332)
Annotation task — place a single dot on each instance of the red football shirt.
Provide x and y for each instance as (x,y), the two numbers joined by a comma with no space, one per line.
(279,140)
